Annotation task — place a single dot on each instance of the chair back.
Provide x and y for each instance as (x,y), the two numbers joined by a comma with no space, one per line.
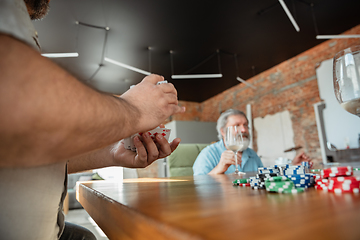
(182,159)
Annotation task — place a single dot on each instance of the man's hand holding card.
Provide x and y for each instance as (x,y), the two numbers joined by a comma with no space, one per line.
(154,99)
(129,142)
(146,147)
(149,146)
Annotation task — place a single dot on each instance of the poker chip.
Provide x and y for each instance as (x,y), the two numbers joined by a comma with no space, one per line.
(244,185)
(295,179)
(268,170)
(241,181)
(266,175)
(321,184)
(338,180)
(273,180)
(314,176)
(293,190)
(302,180)
(278,186)
(292,170)
(256,185)
(347,180)
(288,190)
(300,176)
(290,179)
(281,184)
(317,176)
(307,165)
(278,179)
(340,190)
(337,172)
(318,187)
(254,181)
(344,184)
(322,181)
(283,187)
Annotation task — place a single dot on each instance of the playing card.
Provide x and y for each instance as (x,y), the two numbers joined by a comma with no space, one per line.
(161,82)
(158,83)
(165,132)
(129,142)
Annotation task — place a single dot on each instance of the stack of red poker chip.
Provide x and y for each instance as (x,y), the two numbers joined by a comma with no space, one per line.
(337,171)
(344,184)
(321,184)
(338,180)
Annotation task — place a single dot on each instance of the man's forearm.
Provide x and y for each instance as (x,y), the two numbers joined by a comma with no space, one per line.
(92,160)
(46,115)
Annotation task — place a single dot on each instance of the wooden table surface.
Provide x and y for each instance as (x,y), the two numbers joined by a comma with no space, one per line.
(210,207)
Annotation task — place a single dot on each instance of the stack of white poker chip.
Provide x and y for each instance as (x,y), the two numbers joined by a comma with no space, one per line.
(267,170)
(264,173)
(255,183)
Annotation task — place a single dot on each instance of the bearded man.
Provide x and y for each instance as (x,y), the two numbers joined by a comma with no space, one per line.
(216,159)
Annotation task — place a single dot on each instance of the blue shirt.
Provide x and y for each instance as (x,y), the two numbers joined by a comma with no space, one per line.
(210,156)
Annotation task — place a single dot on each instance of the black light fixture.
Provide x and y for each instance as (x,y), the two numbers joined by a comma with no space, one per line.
(239,78)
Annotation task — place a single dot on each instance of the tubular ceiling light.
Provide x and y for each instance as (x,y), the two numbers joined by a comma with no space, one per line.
(60,55)
(337,36)
(197,76)
(288,13)
(190,76)
(243,81)
(127,66)
(239,78)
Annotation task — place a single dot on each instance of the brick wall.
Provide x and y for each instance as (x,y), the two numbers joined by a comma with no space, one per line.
(291,85)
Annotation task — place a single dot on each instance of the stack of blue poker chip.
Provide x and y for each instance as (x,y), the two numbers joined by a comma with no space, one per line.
(302,180)
(293,170)
(306,166)
(312,178)
(297,174)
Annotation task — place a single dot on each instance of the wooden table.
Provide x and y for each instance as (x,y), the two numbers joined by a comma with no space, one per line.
(210,207)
